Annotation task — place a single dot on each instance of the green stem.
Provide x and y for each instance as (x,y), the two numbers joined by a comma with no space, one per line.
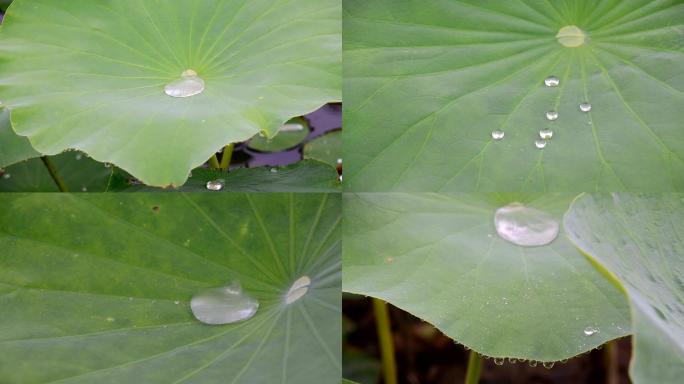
(611,362)
(382,322)
(213,162)
(54,174)
(474,368)
(227,155)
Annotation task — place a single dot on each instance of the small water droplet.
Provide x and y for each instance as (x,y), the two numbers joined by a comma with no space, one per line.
(176,302)
(548,364)
(274,170)
(570,36)
(84,189)
(216,185)
(498,360)
(585,107)
(589,331)
(292,127)
(190,84)
(79,156)
(107,165)
(552,81)
(513,360)
(298,289)
(551,115)
(498,135)
(6,176)
(532,363)
(540,143)
(223,305)
(546,134)
(525,226)
(339,161)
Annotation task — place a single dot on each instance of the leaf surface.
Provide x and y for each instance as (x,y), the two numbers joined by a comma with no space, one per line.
(96,288)
(426,83)
(13,148)
(91,74)
(639,239)
(440,258)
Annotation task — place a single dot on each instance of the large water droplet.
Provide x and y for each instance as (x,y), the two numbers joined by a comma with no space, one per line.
(223,305)
(528,227)
(291,127)
(551,115)
(552,81)
(585,107)
(190,84)
(546,134)
(298,289)
(540,144)
(570,36)
(215,185)
(498,135)
(589,331)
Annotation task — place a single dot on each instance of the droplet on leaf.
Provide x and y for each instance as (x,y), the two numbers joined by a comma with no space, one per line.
(552,81)
(190,84)
(216,185)
(585,107)
(298,289)
(498,135)
(223,305)
(525,226)
(551,115)
(571,36)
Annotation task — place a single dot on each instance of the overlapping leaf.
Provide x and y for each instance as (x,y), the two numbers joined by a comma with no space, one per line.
(640,238)
(427,82)
(96,288)
(90,75)
(439,257)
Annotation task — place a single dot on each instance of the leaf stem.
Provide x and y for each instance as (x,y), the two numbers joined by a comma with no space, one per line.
(611,362)
(382,322)
(54,174)
(474,368)
(227,155)
(213,162)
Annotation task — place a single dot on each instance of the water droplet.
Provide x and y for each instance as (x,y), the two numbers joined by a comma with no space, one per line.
(548,364)
(84,189)
(551,115)
(190,84)
(79,156)
(216,185)
(546,134)
(223,305)
(570,36)
(274,170)
(512,360)
(585,107)
(498,360)
(540,144)
(498,135)
(552,81)
(339,161)
(292,127)
(6,176)
(176,302)
(589,331)
(298,289)
(532,363)
(107,165)
(525,226)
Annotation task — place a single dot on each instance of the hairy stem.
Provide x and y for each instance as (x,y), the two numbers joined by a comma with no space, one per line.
(611,362)
(474,368)
(213,162)
(54,174)
(227,155)
(382,322)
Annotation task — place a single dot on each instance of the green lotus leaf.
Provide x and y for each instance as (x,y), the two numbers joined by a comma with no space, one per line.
(303,176)
(93,75)
(427,83)
(639,239)
(288,136)
(79,173)
(96,287)
(345,381)
(439,257)
(13,148)
(326,148)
